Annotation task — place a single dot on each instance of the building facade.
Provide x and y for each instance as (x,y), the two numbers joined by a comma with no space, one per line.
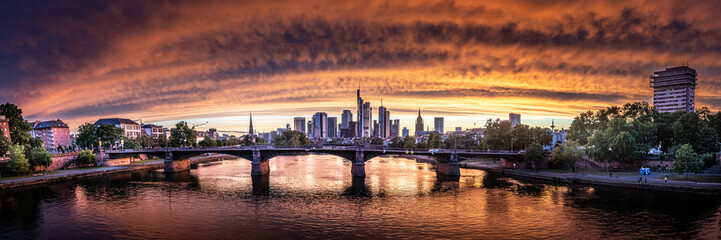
(54,134)
(395,128)
(299,124)
(406,132)
(320,125)
(332,127)
(674,89)
(515,119)
(419,124)
(384,122)
(132,129)
(5,127)
(153,131)
(364,116)
(438,125)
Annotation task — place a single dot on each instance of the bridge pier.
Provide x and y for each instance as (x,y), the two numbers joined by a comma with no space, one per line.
(451,168)
(358,167)
(259,167)
(175,166)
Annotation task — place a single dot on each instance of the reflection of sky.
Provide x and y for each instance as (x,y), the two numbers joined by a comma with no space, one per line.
(467,61)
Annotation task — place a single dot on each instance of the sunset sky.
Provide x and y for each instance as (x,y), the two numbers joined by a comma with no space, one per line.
(215,61)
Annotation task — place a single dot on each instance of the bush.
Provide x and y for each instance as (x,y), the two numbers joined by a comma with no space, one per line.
(18,163)
(86,157)
(40,157)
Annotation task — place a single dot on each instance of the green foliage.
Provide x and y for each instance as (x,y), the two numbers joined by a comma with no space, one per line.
(435,141)
(396,142)
(40,157)
(376,141)
(208,143)
(130,143)
(108,134)
(19,128)
(691,129)
(569,154)
(182,135)
(687,160)
(146,141)
(535,154)
(409,142)
(18,162)
(247,140)
(498,134)
(86,157)
(86,136)
(291,138)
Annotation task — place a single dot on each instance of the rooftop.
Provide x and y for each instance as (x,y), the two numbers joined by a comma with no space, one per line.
(50,124)
(114,121)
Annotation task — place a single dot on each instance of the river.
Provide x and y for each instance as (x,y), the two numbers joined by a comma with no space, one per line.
(314,196)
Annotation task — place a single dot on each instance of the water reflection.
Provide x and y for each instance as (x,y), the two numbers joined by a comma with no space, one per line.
(316,197)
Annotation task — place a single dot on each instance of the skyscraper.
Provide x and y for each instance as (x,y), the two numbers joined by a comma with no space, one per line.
(299,123)
(345,118)
(419,123)
(320,125)
(375,129)
(310,129)
(405,132)
(364,117)
(515,119)
(332,127)
(438,124)
(395,128)
(384,121)
(673,89)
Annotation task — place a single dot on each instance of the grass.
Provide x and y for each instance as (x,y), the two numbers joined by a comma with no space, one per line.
(29,175)
(693,178)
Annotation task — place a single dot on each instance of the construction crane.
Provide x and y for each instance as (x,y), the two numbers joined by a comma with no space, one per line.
(200,124)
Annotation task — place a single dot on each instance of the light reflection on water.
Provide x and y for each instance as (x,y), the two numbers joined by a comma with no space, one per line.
(315,197)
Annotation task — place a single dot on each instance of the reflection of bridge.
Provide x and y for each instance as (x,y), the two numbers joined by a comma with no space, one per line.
(448,161)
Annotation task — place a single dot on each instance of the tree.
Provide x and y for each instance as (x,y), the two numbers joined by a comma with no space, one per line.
(19,128)
(409,142)
(435,140)
(568,153)
(86,136)
(247,140)
(145,141)
(182,135)
(687,160)
(535,154)
(40,157)
(208,143)
(691,129)
(376,141)
(582,127)
(130,143)
(109,134)
(396,142)
(86,157)
(290,138)
(498,134)
(18,162)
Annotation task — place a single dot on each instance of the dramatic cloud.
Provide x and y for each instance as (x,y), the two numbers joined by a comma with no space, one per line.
(163,61)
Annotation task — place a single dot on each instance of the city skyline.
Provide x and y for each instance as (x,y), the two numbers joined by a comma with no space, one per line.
(464,61)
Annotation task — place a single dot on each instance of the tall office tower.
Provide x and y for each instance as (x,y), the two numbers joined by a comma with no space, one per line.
(332,127)
(515,119)
(405,132)
(395,127)
(367,119)
(419,123)
(310,128)
(345,118)
(384,122)
(299,123)
(363,116)
(375,128)
(673,89)
(438,125)
(351,131)
(320,125)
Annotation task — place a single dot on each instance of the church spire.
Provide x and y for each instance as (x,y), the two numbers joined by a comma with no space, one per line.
(553,125)
(250,131)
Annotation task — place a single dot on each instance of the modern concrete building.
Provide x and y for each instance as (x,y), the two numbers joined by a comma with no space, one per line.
(515,119)
(350,131)
(384,122)
(673,89)
(438,125)
(309,129)
(406,132)
(54,134)
(5,127)
(299,124)
(131,128)
(320,125)
(332,127)
(364,116)
(395,128)
(419,123)
(375,128)
(345,118)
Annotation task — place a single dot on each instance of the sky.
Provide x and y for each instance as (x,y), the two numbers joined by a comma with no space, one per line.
(215,61)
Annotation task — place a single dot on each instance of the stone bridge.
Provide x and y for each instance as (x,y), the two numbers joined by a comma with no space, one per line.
(448,161)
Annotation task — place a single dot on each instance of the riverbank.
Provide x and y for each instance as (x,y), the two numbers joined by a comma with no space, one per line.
(71,174)
(654,182)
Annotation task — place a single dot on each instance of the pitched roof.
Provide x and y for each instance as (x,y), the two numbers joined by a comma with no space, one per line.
(114,121)
(50,124)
